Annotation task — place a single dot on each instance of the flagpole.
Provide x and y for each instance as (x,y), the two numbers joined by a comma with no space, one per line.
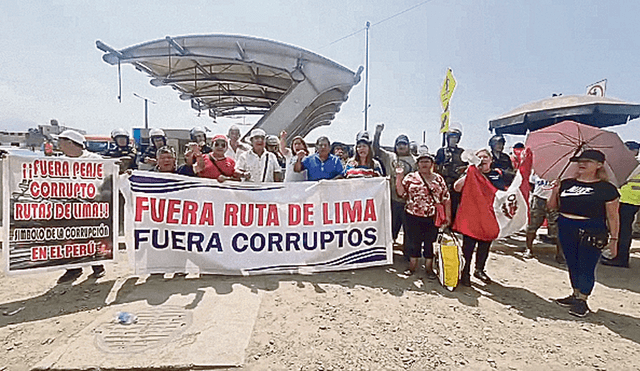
(366,76)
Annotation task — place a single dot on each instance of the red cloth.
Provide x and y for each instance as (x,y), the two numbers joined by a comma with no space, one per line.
(477,213)
(227,165)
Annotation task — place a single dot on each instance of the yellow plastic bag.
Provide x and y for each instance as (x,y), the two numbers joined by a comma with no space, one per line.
(449,260)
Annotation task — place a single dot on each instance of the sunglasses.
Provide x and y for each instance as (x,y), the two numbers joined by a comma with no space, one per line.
(220,144)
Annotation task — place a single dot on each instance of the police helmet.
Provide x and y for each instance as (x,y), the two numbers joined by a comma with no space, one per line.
(197,130)
(156,133)
(120,132)
(454,132)
(496,139)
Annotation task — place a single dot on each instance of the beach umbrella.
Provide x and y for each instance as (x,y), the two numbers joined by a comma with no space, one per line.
(553,146)
(586,109)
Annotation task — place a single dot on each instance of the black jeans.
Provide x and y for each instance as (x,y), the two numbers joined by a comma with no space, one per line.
(420,234)
(468,245)
(397,218)
(627,213)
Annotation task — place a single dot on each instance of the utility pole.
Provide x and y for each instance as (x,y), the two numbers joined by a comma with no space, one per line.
(366,77)
(146,109)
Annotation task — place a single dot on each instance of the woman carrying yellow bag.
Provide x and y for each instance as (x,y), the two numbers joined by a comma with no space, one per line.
(424,190)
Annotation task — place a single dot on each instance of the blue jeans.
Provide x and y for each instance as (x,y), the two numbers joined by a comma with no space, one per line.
(581,259)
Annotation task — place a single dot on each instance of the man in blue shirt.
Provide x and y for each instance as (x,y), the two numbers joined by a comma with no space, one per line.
(320,165)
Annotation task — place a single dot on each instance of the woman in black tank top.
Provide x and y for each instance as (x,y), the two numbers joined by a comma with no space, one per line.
(588,206)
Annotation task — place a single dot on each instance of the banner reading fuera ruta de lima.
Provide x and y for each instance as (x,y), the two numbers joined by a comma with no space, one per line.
(178,224)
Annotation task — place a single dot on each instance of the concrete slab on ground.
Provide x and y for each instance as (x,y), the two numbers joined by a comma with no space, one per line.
(175,334)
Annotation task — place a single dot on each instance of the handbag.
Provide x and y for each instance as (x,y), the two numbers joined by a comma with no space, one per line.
(441,217)
(598,240)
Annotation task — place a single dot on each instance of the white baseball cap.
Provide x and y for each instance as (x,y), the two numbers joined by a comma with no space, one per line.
(257,133)
(73,136)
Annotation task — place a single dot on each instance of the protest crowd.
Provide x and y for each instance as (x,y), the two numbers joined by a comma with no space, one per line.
(449,192)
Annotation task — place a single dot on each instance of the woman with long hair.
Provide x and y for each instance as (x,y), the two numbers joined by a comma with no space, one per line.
(362,164)
(424,190)
(297,144)
(588,222)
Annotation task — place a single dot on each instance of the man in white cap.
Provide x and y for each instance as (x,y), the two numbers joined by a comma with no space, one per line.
(71,143)
(259,165)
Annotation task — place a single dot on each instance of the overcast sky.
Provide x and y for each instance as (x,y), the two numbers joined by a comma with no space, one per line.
(503,54)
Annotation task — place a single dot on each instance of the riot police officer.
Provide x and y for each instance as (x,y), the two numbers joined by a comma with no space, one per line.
(501,160)
(199,136)
(122,150)
(157,139)
(451,166)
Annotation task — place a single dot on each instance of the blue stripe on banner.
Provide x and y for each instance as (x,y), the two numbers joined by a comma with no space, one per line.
(286,269)
(356,257)
(154,180)
(168,189)
(337,261)
(163,185)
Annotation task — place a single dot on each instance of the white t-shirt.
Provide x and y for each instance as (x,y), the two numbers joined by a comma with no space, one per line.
(542,187)
(260,167)
(87,154)
(235,155)
(290,175)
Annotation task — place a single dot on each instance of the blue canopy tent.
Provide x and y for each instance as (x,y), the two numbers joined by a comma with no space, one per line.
(586,109)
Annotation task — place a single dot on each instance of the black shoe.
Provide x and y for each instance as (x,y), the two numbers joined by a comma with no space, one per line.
(481,276)
(546,239)
(465,280)
(567,302)
(408,272)
(579,308)
(98,271)
(431,275)
(613,263)
(70,275)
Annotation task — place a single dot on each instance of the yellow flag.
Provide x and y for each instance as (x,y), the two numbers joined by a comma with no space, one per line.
(446,92)
(444,122)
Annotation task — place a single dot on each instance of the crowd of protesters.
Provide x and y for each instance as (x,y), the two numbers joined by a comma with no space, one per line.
(427,190)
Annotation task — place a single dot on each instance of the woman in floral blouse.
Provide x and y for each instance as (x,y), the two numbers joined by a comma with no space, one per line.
(424,190)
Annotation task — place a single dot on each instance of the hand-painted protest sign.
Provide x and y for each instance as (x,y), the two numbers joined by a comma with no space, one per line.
(183,224)
(60,212)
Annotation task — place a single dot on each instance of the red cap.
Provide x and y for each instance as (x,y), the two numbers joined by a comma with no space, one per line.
(219,137)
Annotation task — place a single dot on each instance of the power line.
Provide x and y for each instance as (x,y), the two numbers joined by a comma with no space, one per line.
(348,36)
(379,22)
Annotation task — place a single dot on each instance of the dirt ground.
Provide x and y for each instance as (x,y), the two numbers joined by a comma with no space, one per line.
(370,319)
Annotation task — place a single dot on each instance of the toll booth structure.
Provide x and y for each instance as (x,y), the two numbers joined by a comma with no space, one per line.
(291,88)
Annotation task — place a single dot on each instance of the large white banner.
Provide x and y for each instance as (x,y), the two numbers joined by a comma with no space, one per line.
(180,224)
